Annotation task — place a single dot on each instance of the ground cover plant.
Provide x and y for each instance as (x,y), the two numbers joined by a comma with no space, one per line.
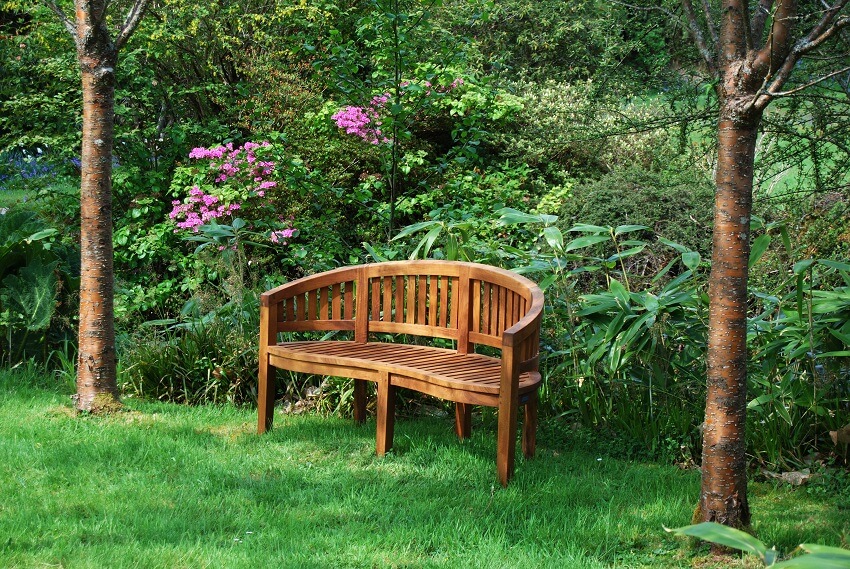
(164,485)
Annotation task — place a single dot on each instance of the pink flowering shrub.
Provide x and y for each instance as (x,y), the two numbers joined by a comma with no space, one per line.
(199,209)
(233,175)
(363,122)
(231,179)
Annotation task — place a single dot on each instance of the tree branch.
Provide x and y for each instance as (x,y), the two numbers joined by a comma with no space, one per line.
(709,23)
(131,22)
(735,29)
(824,30)
(758,22)
(699,39)
(774,95)
(69,25)
(778,44)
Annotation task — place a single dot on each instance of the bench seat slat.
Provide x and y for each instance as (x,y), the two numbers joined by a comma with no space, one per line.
(446,368)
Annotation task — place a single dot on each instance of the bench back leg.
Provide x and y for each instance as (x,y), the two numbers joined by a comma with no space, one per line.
(265,395)
(360,401)
(463,420)
(529,426)
(386,415)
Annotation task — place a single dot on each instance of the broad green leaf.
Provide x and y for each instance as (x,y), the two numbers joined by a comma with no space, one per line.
(31,294)
(626,254)
(786,240)
(628,229)
(620,292)
(761,400)
(547,282)
(838,354)
(818,557)
(758,248)
(691,259)
(375,255)
(724,535)
(414,228)
(41,234)
(510,216)
(585,241)
(802,266)
(430,237)
(834,264)
(554,237)
(584,227)
(678,247)
(783,412)
(451,248)
(826,549)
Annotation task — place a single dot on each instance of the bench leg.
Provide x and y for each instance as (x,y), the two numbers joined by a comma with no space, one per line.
(360,401)
(265,396)
(386,417)
(463,420)
(529,427)
(506,438)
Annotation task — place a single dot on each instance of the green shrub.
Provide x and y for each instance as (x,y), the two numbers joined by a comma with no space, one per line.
(210,358)
(676,206)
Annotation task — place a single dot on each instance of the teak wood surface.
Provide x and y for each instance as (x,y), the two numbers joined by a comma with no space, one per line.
(467,303)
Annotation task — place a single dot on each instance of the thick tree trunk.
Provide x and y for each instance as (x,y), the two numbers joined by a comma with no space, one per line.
(96,374)
(723,497)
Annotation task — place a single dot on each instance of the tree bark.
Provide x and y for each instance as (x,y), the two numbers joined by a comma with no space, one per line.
(723,497)
(97,388)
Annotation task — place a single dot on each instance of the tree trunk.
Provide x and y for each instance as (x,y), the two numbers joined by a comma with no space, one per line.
(723,497)
(96,374)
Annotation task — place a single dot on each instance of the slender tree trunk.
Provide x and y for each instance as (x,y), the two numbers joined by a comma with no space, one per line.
(723,497)
(96,374)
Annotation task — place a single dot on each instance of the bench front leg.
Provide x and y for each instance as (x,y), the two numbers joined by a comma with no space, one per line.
(508,408)
(386,415)
(266,388)
(265,395)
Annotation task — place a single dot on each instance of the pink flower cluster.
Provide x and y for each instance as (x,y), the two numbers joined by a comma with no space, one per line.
(363,122)
(236,160)
(282,235)
(199,209)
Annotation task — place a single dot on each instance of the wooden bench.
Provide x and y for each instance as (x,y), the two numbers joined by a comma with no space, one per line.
(468,303)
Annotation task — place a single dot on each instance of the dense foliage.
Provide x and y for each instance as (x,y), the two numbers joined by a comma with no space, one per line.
(257,142)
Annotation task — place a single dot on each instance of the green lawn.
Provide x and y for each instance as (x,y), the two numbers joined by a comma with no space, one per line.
(170,486)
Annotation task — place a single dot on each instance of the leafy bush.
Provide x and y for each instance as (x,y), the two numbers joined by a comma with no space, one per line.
(38,275)
(677,206)
(209,358)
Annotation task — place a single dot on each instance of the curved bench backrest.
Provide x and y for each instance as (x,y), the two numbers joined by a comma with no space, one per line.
(424,298)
